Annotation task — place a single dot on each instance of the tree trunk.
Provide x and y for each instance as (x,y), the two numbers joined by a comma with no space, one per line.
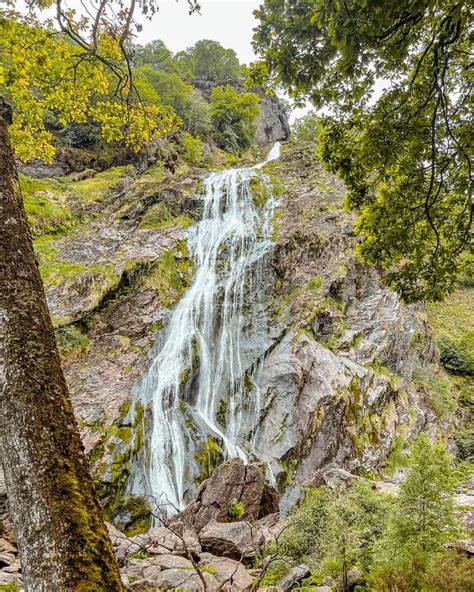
(62,538)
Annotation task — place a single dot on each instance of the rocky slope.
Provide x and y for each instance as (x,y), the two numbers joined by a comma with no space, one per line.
(350,375)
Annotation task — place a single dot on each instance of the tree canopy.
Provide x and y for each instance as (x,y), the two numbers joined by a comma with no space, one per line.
(233,115)
(209,61)
(404,156)
(45,73)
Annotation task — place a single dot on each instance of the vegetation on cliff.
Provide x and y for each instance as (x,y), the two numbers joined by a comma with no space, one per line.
(403,152)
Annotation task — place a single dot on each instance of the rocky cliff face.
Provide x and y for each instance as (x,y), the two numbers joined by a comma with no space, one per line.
(344,379)
(350,374)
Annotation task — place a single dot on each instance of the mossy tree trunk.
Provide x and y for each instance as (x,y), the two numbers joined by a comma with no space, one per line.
(62,538)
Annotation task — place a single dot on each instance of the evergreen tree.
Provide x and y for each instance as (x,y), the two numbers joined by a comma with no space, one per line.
(422,520)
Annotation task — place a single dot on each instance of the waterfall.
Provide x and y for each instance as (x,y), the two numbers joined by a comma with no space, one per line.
(200,382)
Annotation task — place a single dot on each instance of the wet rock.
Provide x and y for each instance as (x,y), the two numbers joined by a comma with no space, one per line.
(237,540)
(293,577)
(232,482)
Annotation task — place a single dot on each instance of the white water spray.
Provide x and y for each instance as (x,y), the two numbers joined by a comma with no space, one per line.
(216,332)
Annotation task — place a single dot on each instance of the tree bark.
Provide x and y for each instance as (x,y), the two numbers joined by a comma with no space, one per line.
(61,535)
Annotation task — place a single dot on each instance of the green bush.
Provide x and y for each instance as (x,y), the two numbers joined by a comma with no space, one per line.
(458,356)
(193,149)
(236,511)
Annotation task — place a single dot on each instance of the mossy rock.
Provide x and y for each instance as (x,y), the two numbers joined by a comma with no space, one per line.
(131,515)
(210,457)
(260,191)
(160,216)
(71,341)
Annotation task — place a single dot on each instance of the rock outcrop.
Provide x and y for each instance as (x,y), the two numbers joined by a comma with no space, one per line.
(343,376)
(342,383)
(235,491)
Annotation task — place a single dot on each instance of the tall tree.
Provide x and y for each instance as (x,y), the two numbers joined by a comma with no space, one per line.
(61,534)
(407,158)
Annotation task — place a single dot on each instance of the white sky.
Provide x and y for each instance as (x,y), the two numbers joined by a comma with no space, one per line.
(228,21)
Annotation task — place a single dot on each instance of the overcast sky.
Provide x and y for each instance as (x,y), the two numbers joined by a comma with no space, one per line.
(228,21)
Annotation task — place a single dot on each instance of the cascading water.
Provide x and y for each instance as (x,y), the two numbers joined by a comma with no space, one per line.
(198,385)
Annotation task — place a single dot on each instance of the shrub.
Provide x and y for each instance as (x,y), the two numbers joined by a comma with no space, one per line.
(193,149)
(450,572)
(236,511)
(458,356)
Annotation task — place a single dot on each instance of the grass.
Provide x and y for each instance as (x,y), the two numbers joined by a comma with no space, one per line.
(71,341)
(45,214)
(453,325)
(149,179)
(49,202)
(52,270)
(453,317)
(97,187)
(159,216)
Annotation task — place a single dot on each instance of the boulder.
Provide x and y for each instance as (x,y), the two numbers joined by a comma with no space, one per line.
(237,540)
(270,502)
(12,568)
(163,541)
(463,547)
(7,547)
(115,535)
(135,568)
(6,559)
(353,577)
(141,586)
(184,579)
(270,527)
(151,572)
(293,577)
(10,578)
(172,562)
(229,572)
(231,482)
